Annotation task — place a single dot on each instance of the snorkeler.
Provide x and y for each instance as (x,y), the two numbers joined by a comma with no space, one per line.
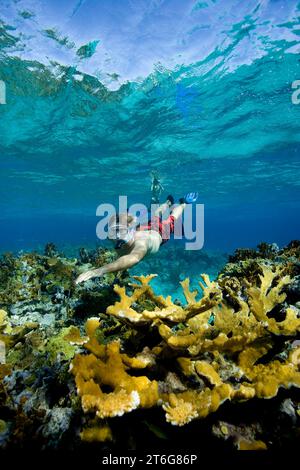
(133,244)
(156,187)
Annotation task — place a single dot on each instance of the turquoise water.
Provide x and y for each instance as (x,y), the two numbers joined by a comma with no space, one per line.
(98,94)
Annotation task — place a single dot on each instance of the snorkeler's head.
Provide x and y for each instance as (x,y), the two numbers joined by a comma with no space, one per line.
(121,229)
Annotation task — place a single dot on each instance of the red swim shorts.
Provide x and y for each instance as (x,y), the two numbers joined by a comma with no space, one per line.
(163,227)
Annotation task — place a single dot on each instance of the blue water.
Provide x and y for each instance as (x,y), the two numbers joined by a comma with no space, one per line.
(98,94)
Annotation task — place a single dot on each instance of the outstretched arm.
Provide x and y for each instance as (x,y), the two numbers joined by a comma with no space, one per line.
(124,262)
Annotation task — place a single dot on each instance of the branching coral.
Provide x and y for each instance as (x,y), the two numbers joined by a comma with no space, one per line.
(163,309)
(181,408)
(267,378)
(106,368)
(266,297)
(216,360)
(237,338)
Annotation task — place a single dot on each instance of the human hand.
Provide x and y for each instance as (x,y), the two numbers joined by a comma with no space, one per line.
(84,277)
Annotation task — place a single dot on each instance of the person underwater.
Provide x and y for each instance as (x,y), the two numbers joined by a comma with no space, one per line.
(156,187)
(133,244)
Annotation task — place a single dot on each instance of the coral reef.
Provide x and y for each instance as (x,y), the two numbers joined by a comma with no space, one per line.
(109,361)
(39,304)
(245,335)
(34,285)
(180,264)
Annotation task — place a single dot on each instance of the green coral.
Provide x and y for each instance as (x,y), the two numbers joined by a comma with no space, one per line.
(58,346)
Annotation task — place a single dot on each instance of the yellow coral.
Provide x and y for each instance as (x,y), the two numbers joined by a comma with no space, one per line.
(206,370)
(264,298)
(212,295)
(251,445)
(91,326)
(164,309)
(128,392)
(213,340)
(235,328)
(267,378)
(5,326)
(143,359)
(9,334)
(244,392)
(201,368)
(74,336)
(183,407)
(100,433)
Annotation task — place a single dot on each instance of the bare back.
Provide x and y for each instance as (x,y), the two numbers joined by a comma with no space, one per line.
(147,241)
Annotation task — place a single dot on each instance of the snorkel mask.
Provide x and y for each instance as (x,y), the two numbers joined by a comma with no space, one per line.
(120,234)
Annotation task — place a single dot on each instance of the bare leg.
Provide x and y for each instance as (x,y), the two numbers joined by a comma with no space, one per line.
(162,208)
(177,211)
